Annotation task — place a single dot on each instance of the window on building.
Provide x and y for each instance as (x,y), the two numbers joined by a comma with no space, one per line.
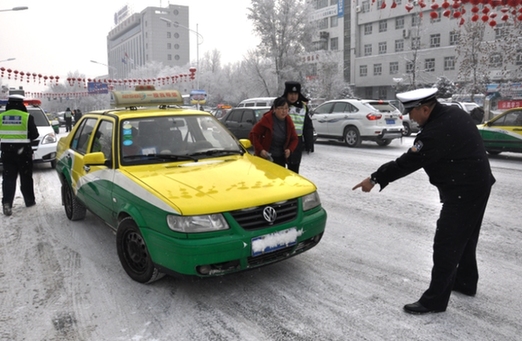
(176,46)
(383,92)
(435,40)
(169,35)
(377,69)
(399,45)
(429,65)
(449,63)
(322,3)
(333,2)
(334,44)
(415,19)
(368,49)
(176,35)
(169,46)
(454,38)
(334,21)
(322,24)
(379,4)
(502,30)
(367,29)
(495,59)
(169,57)
(518,58)
(410,67)
(363,70)
(382,47)
(383,25)
(399,23)
(365,6)
(415,43)
(394,68)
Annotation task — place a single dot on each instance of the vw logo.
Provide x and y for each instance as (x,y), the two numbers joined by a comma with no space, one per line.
(270,214)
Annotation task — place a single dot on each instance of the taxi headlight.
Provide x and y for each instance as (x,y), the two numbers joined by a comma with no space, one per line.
(49,138)
(197,223)
(310,201)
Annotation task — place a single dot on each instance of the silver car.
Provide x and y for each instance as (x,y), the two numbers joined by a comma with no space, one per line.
(357,120)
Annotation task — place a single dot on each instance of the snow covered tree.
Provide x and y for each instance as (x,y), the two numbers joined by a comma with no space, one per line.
(446,87)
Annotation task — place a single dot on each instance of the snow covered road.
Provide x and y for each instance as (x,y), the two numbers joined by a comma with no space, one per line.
(62,280)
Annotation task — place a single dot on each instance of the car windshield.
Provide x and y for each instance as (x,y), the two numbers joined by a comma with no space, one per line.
(174,138)
(382,107)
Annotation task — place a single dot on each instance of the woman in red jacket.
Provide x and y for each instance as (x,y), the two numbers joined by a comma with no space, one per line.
(274,137)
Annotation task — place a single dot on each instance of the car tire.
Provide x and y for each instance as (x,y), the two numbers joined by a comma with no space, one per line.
(352,137)
(53,164)
(133,253)
(493,152)
(407,130)
(383,142)
(74,209)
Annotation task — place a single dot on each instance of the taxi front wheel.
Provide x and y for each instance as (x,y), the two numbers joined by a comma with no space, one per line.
(133,253)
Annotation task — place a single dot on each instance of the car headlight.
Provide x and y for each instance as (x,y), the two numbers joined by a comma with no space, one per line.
(310,201)
(197,223)
(49,138)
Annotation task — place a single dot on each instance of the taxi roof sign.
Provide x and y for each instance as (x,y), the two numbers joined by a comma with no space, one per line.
(145,97)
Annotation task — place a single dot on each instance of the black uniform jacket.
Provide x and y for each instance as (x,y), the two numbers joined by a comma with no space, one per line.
(450,150)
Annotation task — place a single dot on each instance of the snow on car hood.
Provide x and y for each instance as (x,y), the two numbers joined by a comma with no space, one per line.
(218,185)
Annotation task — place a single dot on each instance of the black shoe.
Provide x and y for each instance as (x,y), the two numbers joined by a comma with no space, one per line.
(417,308)
(7,209)
(29,204)
(463,290)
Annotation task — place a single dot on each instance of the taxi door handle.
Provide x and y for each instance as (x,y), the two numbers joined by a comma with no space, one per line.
(87,169)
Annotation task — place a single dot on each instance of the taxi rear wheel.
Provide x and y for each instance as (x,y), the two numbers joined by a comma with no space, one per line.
(133,253)
(74,209)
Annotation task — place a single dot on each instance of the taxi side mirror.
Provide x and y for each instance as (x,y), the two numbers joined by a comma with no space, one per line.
(94,159)
(245,143)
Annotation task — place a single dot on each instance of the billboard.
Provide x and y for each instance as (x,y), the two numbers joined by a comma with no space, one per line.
(198,97)
(94,88)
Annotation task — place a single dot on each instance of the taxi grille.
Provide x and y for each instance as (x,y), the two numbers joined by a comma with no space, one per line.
(252,218)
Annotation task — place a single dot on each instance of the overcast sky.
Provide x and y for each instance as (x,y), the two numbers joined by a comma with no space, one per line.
(61,36)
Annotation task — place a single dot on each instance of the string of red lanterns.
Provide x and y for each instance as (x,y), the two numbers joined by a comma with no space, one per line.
(130,82)
(486,11)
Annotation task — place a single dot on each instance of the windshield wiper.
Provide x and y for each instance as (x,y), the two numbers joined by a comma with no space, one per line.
(215,152)
(162,157)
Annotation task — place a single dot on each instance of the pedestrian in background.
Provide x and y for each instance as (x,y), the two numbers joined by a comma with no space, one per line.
(450,150)
(77,115)
(17,130)
(67,116)
(303,123)
(274,136)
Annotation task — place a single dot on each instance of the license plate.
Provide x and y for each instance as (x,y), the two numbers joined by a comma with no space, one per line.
(274,241)
(390,121)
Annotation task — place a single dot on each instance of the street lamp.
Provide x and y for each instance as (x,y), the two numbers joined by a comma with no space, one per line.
(19,8)
(110,67)
(197,42)
(7,60)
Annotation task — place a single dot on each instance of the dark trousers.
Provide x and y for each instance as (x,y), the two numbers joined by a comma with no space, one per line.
(294,161)
(454,248)
(13,165)
(68,124)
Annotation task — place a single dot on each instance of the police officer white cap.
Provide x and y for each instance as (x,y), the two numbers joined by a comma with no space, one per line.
(414,98)
(16,98)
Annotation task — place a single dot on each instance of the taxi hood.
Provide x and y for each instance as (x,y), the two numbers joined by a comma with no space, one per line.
(221,184)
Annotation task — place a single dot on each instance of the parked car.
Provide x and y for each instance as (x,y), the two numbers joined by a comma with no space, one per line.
(182,194)
(257,102)
(409,125)
(241,120)
(503,133)
(466,106)
(44,147)
(357,120)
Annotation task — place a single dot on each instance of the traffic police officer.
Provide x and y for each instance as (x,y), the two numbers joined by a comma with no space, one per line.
(450,150)
(303,123)
(17,129)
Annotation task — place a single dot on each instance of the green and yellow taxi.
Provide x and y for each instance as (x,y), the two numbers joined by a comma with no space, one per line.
(503,133)
(183,195)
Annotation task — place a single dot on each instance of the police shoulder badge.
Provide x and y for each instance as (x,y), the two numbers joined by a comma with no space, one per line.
(417,146)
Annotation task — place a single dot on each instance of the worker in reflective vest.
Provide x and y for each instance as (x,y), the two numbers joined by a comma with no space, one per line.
(17,130)
(302,122)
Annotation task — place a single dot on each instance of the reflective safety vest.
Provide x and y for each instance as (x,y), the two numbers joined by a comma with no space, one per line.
(298,117)
(13,127)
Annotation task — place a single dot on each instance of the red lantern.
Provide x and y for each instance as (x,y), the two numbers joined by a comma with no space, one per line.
(456,5)
(16,74)
(475,9)
(462,21)
(422,4)
(456,15)
(446,13)
(492,23)
(475,18)
(56,78)
(445,5)
(493,15)
(434,6)
(434,15)
(2,69)
(505,17)
(408,7)
(485,10)
(394,4)
(485,18)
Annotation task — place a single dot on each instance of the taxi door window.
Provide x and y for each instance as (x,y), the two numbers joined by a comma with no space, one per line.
(82,135)
(103,139)
(248,117)
(235,116)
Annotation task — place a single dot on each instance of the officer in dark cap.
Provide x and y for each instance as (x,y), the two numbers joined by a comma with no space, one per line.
(17,130)
(303,123)
(451,152)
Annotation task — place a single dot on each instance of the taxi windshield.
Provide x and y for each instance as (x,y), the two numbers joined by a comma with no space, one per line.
(158,139)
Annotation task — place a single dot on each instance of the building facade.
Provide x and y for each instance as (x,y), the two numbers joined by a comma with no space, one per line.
(155,34)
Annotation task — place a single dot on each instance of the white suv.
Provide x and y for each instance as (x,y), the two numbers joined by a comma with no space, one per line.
(357,120)
(44,147)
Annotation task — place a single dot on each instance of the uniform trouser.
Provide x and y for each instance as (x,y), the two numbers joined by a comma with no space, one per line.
(294,161)
(454,248)
(68,123)
(14,164)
